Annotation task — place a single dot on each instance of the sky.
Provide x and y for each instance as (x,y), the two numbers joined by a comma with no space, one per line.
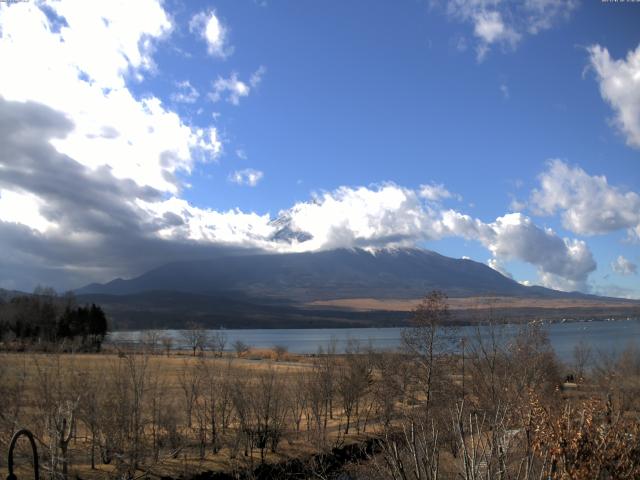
(137,133)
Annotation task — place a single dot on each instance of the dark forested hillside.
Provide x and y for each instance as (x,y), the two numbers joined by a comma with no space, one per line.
(44,318)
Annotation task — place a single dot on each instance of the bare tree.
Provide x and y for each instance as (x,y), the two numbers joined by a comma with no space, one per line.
(57,403)
(428,340)
(582,356)
(167,343)
(12,388)
(279,352)
(321,386)
(215,402)
(533,363)
(298,398)
(194,337)
(63,426)
(217,342)
(264,412)
(410,452)
(138,376)
(151,340)
(388,386)
(240,348)
(354,379)
(189,379)
(89,387)
(489,366)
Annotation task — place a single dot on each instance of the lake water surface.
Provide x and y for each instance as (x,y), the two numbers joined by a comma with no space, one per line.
(603,336)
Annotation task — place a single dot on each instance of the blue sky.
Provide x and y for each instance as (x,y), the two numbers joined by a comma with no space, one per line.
(306,98)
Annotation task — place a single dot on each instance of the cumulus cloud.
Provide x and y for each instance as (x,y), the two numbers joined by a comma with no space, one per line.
(385,215)
(97,223)
(620,87)
(499,267)
(87,61)
(588,204)
(490,28)
(504,23)
(624,266)
(248,176)
(186,93)
(78,223)
(515,237)
(79,150)
(233,89)
(213,31)
(393,215)
(436,192)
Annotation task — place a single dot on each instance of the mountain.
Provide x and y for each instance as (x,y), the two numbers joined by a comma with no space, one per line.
(7,295)
(334,274)
(336,288)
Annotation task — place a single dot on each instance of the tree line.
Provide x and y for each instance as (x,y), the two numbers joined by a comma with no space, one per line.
(44,319)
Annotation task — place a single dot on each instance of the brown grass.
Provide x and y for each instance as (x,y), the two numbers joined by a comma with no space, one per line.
(469,303)
(169,369)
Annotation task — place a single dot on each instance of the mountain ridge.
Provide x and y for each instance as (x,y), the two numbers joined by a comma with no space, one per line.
(329,274)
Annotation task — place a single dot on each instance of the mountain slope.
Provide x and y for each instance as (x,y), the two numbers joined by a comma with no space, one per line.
(304,277)
(327,289)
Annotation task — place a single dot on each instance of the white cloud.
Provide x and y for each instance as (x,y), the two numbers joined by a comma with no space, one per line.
(213,31)
(616,291)
(232,227)
(23,208)
(499,267)
(87,63)
(234,88)
(624,266)
(516,205)
(186,93)
(256,77)
(436,192)
(390,215)
(504,89)
(504,23)
(387,215)
(557,282)
(490,29)
(248,176)
(515,237)
(588,204)
(620,87)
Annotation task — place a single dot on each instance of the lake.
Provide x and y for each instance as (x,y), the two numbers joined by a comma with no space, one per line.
(603,336)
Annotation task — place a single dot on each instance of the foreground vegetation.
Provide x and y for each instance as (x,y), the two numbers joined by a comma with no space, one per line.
(501,408)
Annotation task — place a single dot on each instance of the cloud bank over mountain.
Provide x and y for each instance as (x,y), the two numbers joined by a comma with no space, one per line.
(94,169)
(84,217)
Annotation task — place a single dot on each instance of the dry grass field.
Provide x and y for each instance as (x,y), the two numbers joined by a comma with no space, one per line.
(503,409)
(179,395)
(476,303)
